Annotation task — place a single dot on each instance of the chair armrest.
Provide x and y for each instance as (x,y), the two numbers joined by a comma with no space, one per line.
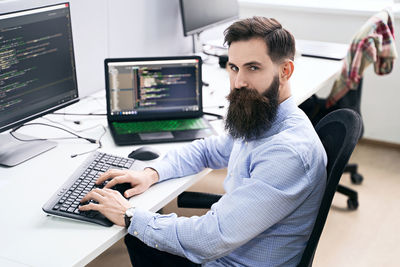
(197,200)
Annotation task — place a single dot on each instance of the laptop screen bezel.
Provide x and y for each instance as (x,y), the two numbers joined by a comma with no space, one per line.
(169,115)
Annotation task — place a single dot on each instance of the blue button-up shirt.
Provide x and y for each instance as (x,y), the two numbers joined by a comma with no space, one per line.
(273,187)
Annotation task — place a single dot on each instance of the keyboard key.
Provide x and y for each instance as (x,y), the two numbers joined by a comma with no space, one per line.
(71,210)
(128,165)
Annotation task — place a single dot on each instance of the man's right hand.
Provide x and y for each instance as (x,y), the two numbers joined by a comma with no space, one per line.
(139,180)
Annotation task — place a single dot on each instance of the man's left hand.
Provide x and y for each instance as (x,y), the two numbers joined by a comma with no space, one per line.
(110,203)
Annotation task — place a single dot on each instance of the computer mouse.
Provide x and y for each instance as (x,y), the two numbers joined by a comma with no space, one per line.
(144,153)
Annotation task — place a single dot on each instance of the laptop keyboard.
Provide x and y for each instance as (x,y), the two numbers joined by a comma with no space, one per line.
(159,126)
(66,200)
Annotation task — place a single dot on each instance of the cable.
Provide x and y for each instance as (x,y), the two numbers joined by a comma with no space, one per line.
(71,129)
(220,106)
(78,122)
(99,142)
(78,114)
(219,117)
(91,140)
(209,54)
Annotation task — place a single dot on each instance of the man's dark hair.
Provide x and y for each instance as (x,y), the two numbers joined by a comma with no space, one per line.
(280,42)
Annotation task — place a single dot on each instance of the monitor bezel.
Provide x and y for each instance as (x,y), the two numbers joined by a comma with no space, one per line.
(59,106)
(201,29)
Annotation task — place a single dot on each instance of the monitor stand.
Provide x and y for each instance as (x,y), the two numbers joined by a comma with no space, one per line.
(197,46)
(14,152)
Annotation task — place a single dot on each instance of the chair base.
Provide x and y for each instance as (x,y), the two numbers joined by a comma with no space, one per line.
(356,178)
(352,201)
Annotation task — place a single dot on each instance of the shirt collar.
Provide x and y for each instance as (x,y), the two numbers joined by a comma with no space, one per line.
(284,109)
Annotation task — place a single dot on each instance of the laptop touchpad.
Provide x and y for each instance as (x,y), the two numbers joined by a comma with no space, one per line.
(155,136)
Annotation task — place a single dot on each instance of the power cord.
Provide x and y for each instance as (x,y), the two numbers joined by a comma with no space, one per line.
(222,58)
(99,142)
(77,122)
(219,117)
(71,129)
(82,130)
(91,140)
(79,114)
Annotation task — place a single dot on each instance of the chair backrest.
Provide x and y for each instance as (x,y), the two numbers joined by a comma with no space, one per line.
(352,99)
(315,109)
(339,132)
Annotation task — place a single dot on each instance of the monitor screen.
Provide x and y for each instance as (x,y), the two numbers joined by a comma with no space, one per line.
(37,68)
(149,88)
(198,15)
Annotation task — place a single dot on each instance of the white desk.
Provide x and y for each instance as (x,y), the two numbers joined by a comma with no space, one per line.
(28,237)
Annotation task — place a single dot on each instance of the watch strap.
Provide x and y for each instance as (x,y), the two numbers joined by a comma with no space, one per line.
(128,216)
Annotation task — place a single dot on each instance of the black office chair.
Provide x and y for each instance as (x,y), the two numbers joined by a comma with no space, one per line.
(315,109)
(339,132)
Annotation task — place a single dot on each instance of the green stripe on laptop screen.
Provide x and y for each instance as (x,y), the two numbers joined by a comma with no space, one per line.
(159,126)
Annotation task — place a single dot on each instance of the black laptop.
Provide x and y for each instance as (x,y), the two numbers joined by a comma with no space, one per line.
(155,100)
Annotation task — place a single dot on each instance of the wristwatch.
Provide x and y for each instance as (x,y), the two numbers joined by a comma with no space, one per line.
(128,216)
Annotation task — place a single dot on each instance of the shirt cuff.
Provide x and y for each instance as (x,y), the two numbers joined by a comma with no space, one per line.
(163,168)
(139,223)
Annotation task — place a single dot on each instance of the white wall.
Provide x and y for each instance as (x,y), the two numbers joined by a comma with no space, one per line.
(380,95)
(146,28)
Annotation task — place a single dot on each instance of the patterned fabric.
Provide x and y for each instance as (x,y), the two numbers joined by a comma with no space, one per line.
(274,187)
(374,43)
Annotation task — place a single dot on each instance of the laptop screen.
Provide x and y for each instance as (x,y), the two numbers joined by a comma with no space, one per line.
(153,88)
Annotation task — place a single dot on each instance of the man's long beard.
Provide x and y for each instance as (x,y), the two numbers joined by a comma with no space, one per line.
(250,113)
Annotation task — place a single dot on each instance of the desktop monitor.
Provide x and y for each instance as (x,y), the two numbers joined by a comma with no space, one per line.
(37,74)
(199,15)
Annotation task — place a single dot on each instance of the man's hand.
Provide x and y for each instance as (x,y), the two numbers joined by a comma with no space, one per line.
(110,203)
(139,180)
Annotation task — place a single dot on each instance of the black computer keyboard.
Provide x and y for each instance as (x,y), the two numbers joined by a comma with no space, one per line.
(66,200)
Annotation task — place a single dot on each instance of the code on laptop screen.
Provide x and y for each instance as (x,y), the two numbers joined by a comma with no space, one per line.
(154,86)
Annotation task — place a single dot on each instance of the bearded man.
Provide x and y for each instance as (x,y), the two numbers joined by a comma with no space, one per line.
(276,170)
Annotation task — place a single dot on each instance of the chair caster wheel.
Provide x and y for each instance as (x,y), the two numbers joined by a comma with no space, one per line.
(356,178)
(352,204)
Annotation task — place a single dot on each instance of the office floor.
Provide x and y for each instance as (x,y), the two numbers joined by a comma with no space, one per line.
(367,237)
